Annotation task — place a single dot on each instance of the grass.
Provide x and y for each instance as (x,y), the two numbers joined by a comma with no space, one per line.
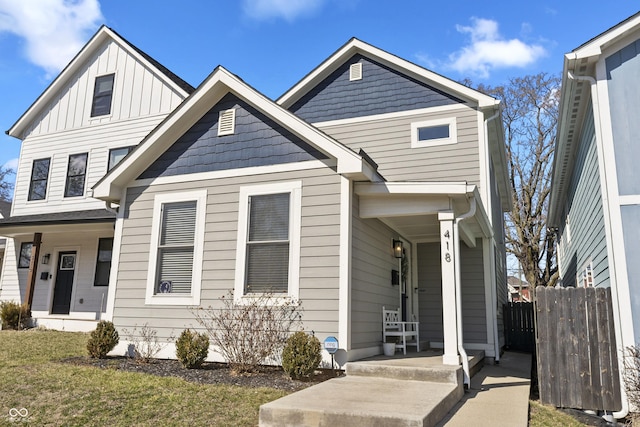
(54,393)
(547,416)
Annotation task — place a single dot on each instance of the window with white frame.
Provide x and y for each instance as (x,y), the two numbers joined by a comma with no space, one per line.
(434,132)
(175,260)
(117,154)
(585,276)
(269,240)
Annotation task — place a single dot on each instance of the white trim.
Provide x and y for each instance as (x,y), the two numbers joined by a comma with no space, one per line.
(234,173)
(484,163)
(390,116)
(447,188)
(627,200)
(421,143)
(73,315)
(294,188)
(46,195)
(200,196)
(344,308)
(227,122)
(355,71)
(115,258)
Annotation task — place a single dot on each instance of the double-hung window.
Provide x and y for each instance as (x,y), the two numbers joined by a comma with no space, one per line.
(103,261)
(76,173)
(102,95)
(39,178)
(175,261)
(269,240)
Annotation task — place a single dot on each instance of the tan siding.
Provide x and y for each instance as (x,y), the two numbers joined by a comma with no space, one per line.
(319,263)
(388,142)
(371,279)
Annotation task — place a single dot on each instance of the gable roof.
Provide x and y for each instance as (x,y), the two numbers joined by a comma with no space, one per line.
(104,33)
(575,99)
(211,90)
(355,46)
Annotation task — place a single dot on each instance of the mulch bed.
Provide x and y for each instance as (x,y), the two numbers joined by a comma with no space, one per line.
(209,373)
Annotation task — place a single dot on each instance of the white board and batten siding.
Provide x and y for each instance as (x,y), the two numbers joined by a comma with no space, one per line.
(387,140)
(371,286)
(319,250)
(140,100)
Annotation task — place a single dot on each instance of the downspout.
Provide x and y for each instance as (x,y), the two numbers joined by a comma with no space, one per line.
(494,292)
(598,128)
(107,206)
(461,350)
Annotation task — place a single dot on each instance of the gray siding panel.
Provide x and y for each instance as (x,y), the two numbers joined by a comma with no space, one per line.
(584,238)
(381,90)
(388,142)
(631,227)
(319,251)
(257,141)
(623,69)
(371,287)
(474,321)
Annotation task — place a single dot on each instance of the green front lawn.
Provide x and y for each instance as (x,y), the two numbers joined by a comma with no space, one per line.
(55,393)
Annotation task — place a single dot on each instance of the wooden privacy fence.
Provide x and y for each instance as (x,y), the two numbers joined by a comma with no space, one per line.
(577,356)
(519,328)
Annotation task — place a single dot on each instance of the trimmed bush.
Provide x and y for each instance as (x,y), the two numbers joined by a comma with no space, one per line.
(14,315)
(102,340)
(301,355)
(192,348)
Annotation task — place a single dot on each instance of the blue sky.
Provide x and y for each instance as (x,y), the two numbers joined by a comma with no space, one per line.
(271,44)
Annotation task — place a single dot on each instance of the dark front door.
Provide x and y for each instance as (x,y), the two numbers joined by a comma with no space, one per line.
(64,283)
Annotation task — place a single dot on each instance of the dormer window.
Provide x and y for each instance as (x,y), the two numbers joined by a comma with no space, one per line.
(102,95)
(355,71)
(227,122)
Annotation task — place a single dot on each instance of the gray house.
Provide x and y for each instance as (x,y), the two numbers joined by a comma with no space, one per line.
(595,199)
(372,182)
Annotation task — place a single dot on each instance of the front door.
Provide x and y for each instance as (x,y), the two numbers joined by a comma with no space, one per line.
(64,283)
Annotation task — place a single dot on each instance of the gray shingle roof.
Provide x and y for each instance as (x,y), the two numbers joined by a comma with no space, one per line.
(95,215)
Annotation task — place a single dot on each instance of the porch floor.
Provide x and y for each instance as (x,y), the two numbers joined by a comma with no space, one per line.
(412,390)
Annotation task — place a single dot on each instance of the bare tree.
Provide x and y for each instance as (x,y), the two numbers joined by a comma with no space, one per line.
(6,187)
(530,116)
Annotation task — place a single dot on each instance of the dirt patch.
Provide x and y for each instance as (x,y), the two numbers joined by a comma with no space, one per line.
(209,373)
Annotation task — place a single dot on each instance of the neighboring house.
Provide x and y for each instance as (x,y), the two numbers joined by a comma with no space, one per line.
(58,257)
(310,196)
(595,198)
(5,210)
(518,290)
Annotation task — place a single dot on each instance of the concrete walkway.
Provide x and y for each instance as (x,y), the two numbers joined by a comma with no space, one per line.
(498,396)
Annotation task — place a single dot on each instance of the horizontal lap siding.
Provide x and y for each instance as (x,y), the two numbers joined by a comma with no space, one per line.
(10,289)
(372,262)
(96,141)
(585,237)
(319,263)
(388,142)
(430,293)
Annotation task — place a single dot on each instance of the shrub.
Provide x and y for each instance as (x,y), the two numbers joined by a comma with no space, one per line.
(301,355)
(192,348)
(102,340)
(14,315)
(250,333)
(145,344)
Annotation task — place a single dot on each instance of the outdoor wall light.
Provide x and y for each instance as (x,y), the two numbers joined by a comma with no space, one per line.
(45,258)
(397,248)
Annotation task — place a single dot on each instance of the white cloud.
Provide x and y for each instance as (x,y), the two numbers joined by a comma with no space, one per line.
(287,9)
(489,50)
(11,164)
(54,30)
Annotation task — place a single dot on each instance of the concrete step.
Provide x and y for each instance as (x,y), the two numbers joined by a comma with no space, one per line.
(405,369)
(364,401)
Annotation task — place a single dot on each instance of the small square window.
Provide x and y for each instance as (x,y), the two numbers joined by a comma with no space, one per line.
(25,255)
(102,96)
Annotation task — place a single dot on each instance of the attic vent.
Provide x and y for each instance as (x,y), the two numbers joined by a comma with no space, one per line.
(355,71)
(226,122)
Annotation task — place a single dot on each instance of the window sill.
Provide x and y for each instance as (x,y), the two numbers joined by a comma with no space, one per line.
(169,299)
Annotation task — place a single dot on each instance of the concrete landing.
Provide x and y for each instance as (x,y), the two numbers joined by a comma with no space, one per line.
(364,401)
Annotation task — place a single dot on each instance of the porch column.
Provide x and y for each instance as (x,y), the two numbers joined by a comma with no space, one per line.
(33,265)
(447,252)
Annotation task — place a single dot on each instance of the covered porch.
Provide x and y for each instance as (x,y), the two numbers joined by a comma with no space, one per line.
(447,241)
(59,264)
